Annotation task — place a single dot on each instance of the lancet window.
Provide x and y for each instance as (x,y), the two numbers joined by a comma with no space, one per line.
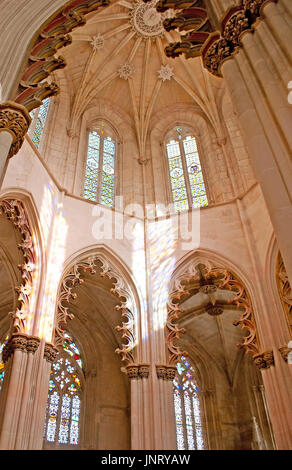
(62,424)
(186,178)
(39,116)
(100,171)
(187,406)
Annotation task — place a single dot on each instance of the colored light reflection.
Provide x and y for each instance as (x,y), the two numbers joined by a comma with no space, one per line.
(56,236)
(139,265)
(162,239)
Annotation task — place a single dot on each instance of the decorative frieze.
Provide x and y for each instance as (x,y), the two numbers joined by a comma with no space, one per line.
(137,371)
(50,352)
(21,342)
(264,360)
(14,119)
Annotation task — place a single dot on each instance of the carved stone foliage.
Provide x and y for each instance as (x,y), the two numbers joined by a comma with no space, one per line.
(41,62)
(22,342)
(238,20)
(206,278)
(284,290)
(98,265)
(202,38)
(15,212)
(14,119)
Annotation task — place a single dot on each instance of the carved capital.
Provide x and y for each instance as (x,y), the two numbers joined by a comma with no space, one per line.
(264,360)
(234,26)
(170,372)
(165,372)
(132,371)
(285,352)
(136,371)
(33,343)
(50,352)
(22,342)
(144,371)
(15,119)
(215,53)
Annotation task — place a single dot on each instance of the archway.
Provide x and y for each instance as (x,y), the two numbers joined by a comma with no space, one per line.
(95,294)
(206,301)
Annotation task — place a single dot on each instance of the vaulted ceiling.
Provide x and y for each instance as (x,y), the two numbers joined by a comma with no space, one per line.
(209,326)
(119,56)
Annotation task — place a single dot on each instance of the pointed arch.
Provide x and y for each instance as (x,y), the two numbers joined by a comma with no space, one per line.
(102,263)
(205,272)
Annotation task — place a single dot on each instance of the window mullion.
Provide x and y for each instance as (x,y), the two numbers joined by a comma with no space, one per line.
(184,419)
(186,175)
(100,163)
(194,421)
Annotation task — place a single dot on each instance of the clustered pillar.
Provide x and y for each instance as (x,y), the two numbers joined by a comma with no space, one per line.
(252,56)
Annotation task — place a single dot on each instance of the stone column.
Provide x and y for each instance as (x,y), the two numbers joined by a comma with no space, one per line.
(255,82)
(165,434)
(14,123)
(24,394)
(277,379)
(140,418)
(263,158)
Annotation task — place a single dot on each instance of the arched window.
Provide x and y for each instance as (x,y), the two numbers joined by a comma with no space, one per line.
(185,171)
(189,432)
(62,423)
(99,183)
(37,125)
(2,371)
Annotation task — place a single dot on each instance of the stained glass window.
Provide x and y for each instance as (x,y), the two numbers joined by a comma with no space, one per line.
(2,363)
(62,423)
(189,432)
(39,117)
(185,172)
(99,184)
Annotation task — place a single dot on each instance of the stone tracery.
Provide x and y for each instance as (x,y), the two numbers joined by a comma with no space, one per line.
(220,48)
(14,210)
(126,306)
(207,278)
